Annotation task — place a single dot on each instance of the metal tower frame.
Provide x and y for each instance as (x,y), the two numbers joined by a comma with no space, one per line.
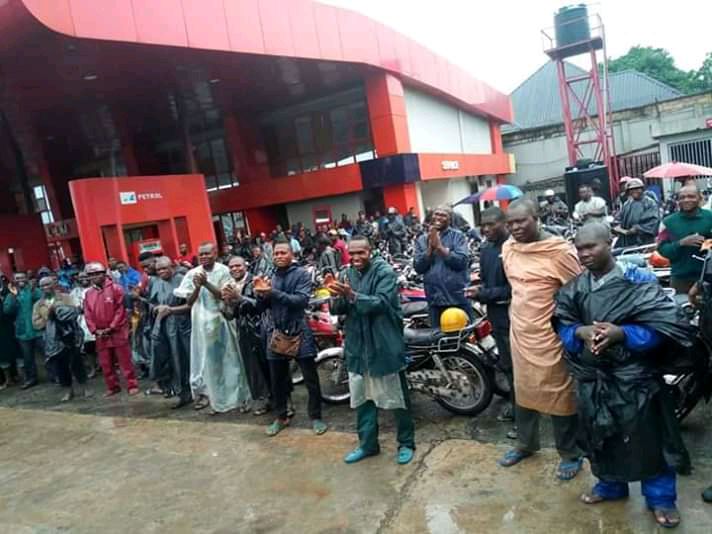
(585,100)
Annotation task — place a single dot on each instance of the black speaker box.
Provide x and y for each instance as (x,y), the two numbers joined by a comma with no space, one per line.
(596,176)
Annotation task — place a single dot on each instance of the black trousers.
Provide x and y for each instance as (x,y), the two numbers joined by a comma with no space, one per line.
(29,348)
(67,363)
(255,361)
(565,432)
(282,386)
(501,337)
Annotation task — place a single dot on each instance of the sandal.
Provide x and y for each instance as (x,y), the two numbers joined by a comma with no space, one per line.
(513,457)
(277,426)
(319,427)
(594,498)
(667,517)
(568,469)
(202,403)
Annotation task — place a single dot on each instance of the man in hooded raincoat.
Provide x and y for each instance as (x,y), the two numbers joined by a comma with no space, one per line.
(618,327)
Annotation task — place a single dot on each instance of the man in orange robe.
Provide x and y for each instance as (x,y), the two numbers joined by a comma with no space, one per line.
(537,265)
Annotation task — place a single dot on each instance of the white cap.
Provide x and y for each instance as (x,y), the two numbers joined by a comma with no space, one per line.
(392,211)
(549,193)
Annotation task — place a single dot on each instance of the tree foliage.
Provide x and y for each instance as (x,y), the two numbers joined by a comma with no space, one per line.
(659,64)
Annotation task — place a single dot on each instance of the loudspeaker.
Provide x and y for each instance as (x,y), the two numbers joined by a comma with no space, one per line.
(595,175)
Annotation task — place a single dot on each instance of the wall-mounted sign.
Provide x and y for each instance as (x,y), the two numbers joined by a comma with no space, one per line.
(450,165)
(127,197)
(131,197)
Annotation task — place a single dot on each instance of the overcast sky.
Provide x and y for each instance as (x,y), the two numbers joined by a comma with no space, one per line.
(499,41)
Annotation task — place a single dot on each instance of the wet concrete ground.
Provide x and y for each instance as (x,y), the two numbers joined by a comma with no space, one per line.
(135,465)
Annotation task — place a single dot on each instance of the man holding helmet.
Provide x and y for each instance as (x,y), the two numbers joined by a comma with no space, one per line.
(106,319)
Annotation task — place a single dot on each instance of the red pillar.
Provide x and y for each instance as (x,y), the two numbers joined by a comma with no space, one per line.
(401,196)
(387,115)
(496,137)
(261,219)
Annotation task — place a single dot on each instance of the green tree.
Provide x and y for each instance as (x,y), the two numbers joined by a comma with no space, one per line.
(656,63)
(702,79)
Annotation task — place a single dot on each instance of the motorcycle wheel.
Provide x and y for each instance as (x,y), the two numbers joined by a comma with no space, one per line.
(687,394)
(333,379)
(296,372)
(480,395)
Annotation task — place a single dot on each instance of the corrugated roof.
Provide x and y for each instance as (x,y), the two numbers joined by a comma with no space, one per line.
(536,102)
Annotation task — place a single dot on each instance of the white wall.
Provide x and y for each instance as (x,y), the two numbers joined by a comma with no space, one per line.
(437,192)
(350,204)
(438,127)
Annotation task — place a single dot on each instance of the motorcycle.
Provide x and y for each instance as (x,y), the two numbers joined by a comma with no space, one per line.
(445,366)
(693,381)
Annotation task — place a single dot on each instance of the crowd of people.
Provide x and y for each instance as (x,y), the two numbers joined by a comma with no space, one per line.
(578,332)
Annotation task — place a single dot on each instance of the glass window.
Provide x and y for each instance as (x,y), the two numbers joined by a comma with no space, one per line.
(42,204)
(305,134)
(322,133)
(340,125)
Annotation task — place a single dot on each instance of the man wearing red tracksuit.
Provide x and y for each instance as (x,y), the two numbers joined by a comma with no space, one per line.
(106,318)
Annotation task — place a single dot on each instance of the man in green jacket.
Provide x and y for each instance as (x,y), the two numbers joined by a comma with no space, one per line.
(682,236)
(374,350)
(19,303)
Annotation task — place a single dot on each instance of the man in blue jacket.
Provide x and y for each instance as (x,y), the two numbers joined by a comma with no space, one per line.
(442,257)
(286,296)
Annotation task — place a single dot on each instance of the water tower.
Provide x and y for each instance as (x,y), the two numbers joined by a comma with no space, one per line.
(585,103)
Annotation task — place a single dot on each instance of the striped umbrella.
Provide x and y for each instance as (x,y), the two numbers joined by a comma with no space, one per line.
(497,192)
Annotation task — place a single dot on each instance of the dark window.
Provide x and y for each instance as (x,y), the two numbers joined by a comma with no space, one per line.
(322,134)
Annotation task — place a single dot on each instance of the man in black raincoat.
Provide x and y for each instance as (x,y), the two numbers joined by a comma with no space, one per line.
(616,322)
(241,304)
(638,221)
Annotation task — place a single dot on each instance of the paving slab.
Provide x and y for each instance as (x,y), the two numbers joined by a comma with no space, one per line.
(78,473)
(460,489)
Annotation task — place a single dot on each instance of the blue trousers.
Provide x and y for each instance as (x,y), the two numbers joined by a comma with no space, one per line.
(659,491)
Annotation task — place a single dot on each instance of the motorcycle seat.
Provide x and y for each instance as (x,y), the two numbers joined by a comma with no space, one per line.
(422,337)
(414,308)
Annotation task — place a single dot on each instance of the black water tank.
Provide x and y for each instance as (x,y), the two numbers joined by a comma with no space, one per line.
(571,25)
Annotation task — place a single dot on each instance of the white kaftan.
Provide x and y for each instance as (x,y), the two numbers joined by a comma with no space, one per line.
(216,367)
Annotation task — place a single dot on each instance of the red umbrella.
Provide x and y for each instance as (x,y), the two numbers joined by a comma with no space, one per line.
(678,170)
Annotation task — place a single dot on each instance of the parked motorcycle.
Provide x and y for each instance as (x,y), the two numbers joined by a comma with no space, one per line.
(445,366)
(693,381)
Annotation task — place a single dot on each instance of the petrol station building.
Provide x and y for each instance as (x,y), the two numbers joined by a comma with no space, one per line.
(282,111)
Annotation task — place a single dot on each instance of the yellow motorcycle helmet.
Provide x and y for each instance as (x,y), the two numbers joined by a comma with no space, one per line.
(453,320)
(321,293)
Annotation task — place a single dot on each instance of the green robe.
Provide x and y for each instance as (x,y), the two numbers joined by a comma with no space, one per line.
(374,322)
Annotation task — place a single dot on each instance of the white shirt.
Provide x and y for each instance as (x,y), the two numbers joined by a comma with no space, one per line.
(582,210)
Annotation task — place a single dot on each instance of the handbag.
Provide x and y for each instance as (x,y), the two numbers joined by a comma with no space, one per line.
(284,344)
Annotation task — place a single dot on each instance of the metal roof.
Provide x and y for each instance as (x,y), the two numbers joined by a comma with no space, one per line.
(536,102)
